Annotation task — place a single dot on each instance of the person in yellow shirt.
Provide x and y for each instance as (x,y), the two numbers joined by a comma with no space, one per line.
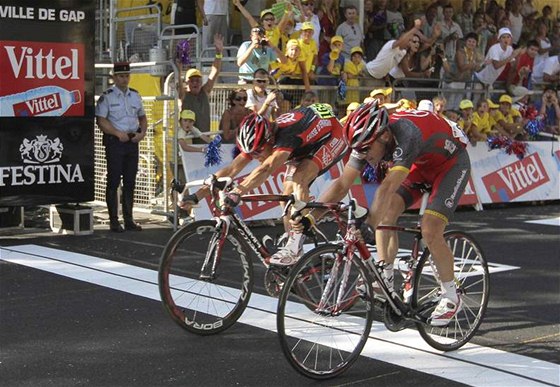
(509,120)
(309,48)
(293,72)
(468,122)
(332,64)
(354,68)
(482,118)
(268,21)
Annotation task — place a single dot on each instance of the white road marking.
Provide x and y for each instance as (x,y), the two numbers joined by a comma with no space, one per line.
(548,222)
(473,365)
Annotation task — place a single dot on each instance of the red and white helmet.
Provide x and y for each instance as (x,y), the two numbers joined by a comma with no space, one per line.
(366,124)
(254,133)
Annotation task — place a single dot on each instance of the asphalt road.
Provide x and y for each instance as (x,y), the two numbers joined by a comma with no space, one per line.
(84,310)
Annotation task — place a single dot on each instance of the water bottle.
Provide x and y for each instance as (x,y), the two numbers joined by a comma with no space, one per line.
(44,101)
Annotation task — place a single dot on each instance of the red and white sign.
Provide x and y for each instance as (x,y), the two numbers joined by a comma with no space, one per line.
(27,66)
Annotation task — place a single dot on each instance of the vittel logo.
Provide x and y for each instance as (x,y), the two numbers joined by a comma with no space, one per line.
(41,157)
(516,179)
(36,64)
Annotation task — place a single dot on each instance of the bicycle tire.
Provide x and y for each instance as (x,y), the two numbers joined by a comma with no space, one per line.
(321,345)
(471,270)
(210,305)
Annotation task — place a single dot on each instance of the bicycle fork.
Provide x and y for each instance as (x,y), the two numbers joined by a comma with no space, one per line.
(215,248)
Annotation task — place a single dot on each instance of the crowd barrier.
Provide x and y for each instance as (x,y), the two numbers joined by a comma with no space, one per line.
(496,177)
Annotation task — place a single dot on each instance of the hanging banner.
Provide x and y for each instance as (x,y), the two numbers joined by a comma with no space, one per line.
(46,101)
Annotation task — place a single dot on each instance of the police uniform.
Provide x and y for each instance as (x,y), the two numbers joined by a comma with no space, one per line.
(122,110)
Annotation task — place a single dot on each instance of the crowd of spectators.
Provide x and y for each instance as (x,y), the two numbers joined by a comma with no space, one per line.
(451,56)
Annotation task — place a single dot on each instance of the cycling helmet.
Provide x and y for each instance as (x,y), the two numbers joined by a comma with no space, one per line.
(366,124)
(254,133)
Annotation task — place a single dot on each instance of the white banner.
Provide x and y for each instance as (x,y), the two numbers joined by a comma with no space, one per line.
(502,178)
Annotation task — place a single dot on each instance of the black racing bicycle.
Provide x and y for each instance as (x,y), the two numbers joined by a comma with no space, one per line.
(324,332)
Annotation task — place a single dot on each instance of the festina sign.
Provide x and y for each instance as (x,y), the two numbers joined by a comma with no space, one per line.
(47,51)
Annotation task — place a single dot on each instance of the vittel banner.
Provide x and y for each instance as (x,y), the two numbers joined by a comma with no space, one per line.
(46,101)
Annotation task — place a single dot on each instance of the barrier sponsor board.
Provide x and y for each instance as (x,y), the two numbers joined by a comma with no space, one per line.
(46,101)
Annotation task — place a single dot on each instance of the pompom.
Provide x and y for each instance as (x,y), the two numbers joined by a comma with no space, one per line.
(213,152)
(369,174)
(517,148)
(498,142)
(534,126)
(235,151)
(183,52)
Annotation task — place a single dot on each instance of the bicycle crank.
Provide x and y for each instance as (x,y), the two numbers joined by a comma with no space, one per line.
(392,321)
(274,278)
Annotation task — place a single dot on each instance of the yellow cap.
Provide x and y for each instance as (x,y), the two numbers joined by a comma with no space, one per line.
(407,104)
(491,104)
(337,38)
(506,98)
(466,104)
(357,49)
(293,42)
(376,92)
(266,11)
(193,73)
(307,26)
(353,106)
(188,115)
(387,91)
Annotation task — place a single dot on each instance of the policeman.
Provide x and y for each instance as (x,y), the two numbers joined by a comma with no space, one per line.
(121,117)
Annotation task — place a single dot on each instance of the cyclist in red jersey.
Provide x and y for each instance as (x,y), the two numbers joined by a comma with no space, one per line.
(309,140)
(424,148)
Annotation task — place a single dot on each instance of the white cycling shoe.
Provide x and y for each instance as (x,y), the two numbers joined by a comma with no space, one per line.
(290,253)
(445,312)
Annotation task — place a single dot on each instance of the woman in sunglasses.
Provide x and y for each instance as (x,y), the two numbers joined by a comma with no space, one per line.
(233,115)
(259,99)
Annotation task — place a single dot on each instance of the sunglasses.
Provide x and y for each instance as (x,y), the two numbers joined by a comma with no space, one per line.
(261,80)
(240,99)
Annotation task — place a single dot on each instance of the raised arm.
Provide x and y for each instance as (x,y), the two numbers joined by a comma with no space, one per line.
(217,65)
(250,19)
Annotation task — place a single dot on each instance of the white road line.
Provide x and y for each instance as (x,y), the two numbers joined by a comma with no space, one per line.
(473,365)
(548,222)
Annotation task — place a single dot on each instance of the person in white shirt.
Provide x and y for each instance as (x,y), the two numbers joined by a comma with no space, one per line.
(214,18)
(450,32)
(516,21)
(392,53)
(497,57)
(547,71)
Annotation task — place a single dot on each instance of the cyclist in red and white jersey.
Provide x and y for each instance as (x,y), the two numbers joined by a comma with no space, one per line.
(309,140)
(424,148)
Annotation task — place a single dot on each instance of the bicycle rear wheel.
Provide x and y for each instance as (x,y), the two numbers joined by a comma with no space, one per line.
(471,272)
(197,300)
(323,323)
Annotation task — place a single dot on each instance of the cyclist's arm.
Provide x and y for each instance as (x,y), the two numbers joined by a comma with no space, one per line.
(386,194)
(262,172)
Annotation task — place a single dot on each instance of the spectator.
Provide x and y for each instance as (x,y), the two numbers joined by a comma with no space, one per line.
(516,21)
(215,20)
(485,32)
(465,18)
(188,135)
(257,53)
(259,99)
(185,13)
(549,108)
(395,20)
(547,71)
(309,49)
(482,118)
(294,71)
(450,32)
(509,122)
(349,110)
(391,54)
(308,98)
(254,8)
(121,117)
(498,56)
(544,42)
(462,68)
(439,105)
(195,95)
(429,21)
(555,38)
(468,122)
(517,81)
(332,64)
(310,16)
(354,69)
(233,115)
(546,17)
(528,9)
(328,17)
(376,24)
(350,30)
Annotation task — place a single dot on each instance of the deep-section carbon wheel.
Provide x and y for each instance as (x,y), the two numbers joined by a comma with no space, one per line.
(473,284)
(323,321)
(205,278)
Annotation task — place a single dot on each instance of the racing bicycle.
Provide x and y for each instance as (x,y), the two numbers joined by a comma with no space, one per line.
(322,336)
(206,274)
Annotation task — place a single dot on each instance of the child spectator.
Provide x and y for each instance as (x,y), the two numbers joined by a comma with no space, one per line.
(549,109)
(468,122)
(354,68)
(294,71)
(508,119)
(259,99)
(309,48)
(482,118)
(332,64)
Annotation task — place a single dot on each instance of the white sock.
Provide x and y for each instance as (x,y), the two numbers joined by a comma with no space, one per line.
(449,290)
(388,273)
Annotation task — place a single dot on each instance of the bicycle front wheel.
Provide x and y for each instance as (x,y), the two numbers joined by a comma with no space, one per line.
(323,321)
(205,278)
(473,284)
